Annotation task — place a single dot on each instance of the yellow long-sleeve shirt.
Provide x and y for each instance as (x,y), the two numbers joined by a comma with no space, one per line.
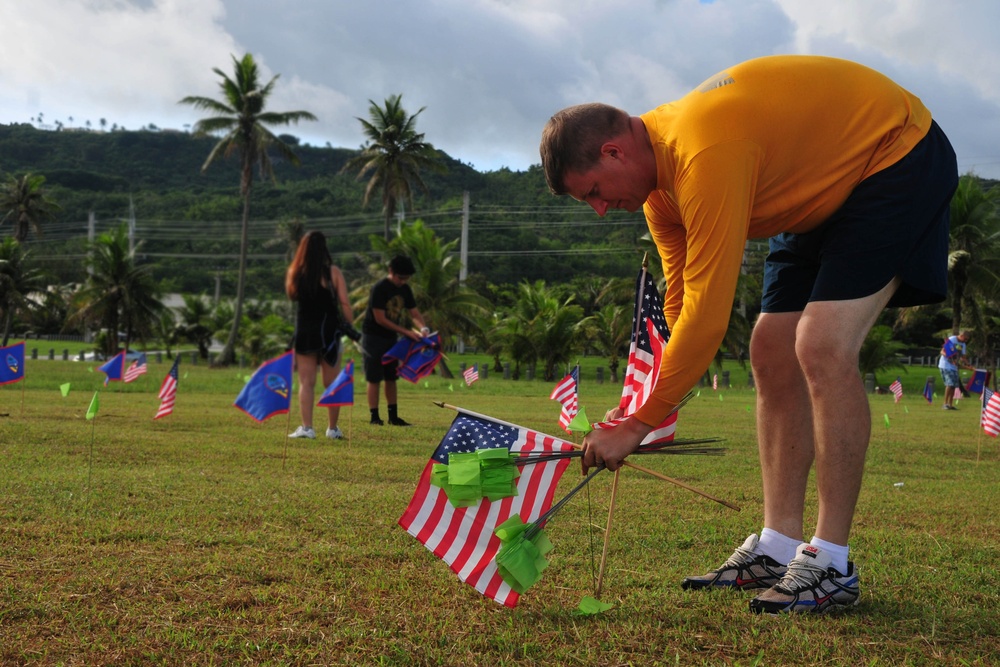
(772,145)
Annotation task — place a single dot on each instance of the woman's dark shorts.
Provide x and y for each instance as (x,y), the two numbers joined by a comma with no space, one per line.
(321,339)
(374,348)
(895,223)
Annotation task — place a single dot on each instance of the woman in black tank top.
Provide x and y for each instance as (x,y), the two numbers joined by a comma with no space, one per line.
(322,313)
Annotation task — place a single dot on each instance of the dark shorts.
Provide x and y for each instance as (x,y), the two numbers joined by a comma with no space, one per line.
(321,339)
(894,223)
(374,347)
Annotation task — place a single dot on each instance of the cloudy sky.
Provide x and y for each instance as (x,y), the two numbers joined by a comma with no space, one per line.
(489,72)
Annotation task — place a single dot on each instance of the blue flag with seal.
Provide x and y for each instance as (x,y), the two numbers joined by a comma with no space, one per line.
(268,392)
(114,367)
(416,359)
(978,381)
(341,390)
(12,368)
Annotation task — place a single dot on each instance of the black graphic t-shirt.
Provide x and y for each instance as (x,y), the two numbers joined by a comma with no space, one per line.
(395,301)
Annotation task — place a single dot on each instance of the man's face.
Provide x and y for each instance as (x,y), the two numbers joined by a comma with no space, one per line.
(614,182)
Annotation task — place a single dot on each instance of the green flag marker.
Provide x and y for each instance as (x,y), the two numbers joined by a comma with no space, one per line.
(64,389)
(451,387)
(521,560)
(185,375)
(591,606)
(720,397)
(698,395)
(94,405)
(906,410)
(886,416)
(427,384)
(580,423)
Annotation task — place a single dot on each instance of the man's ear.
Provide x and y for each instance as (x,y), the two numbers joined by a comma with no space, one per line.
(612,150)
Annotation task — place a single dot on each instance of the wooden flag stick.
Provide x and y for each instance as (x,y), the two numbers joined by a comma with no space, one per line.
(288,425)
(624,463)
(607,536)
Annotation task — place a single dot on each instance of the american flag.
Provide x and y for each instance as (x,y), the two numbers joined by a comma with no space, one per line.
(566,393)
(463,536)
(168,391)
(137,368)
(897,389)
(471,374)
(649,338)
(991,412)
(929,392)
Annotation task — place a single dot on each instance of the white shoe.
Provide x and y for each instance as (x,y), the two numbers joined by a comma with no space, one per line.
(334,433)
(303,432)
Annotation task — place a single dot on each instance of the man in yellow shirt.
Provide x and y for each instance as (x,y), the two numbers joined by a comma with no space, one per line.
(850,179)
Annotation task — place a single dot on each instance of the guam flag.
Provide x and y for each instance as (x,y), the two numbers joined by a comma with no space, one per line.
(416,358)
(12,366)
(114,367)
(269,390)
(341,390)
(979,379)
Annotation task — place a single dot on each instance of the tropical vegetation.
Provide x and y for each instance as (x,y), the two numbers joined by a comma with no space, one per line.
(243,117)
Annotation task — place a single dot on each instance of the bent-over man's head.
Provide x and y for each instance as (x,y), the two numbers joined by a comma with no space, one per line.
(572,140)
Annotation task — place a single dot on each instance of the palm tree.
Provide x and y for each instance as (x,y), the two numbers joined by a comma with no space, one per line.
(974,257)
(17,281)
(242,117)
(194,325)
(451,308)
(393,155)
(611,333)
(23,201)
(119,294)
(542,327)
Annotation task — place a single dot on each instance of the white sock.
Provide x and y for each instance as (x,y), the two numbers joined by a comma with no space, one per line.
(777,545)
(838,553)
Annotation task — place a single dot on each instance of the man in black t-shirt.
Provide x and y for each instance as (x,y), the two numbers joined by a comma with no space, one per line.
(390,299)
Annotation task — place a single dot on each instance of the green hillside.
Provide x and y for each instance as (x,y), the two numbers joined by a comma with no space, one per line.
(188,221)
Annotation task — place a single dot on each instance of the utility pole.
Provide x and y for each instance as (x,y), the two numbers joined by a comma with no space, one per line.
(463,266)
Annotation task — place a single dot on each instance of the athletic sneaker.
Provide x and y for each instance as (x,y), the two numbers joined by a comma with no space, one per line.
(396,421)
(334,433)
(303,432)
(377,421)
(810,584)
(746,568)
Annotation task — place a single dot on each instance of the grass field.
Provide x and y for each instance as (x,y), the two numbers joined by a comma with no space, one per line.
(205,538)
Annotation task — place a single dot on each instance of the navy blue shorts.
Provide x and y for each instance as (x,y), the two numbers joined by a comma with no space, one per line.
(894,223)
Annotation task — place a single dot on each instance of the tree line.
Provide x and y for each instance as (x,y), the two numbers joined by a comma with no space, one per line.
(574,299)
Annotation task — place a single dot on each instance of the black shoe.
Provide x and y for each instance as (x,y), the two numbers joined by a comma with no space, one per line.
(396,421)
(377,421)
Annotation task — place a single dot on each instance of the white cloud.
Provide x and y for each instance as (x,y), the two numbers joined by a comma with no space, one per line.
(490,72)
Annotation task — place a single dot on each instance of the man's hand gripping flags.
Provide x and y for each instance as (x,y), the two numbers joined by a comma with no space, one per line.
(487,491)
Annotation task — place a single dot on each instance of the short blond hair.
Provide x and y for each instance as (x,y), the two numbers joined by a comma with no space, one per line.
(572,140)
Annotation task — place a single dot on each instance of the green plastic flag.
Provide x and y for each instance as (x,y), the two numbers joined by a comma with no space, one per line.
(427,384)
(591,606)
(469,476)
(579,423)
(698,394)
(720,397)
(906,410)
(64,389)
(94,405)
(886,416)
(451,387)
(521,559)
